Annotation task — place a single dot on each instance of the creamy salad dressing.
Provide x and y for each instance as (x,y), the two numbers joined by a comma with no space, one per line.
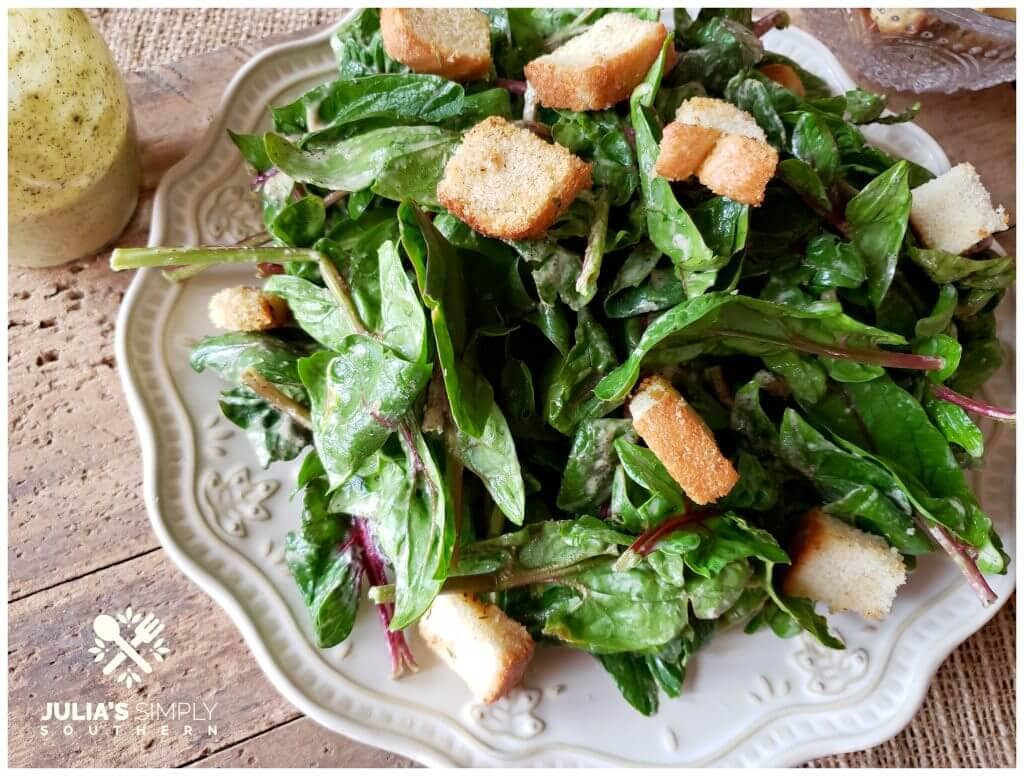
(73,170)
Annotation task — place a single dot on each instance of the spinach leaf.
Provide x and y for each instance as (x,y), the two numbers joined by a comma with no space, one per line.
(358,397)
(802,178)
(359,48)
(599,137)
(439,276)
(715,49)
(314,308)
(612,611)
(569,394)
(757,95)
(941,315)
(753,326)
(669,226)
(711,597)
(299,224)
(229,355)
(636,288)
(812,142)
(709,546)
(757,489)
(855,489)
(587,480)
(251,148)
(956,425)
(804,376)
(634,680)
(943,267)
(357,163)
(274,435)
(723,223)
(403,325)
(880,420)
(555,270)
(540,551)
(406,499)
(800,613)
(327,569)
(877,218)
(982,353)
(405,98)
(863,107)
(492,457)
(658,292)
(646,470)
(593,256)
(835,264)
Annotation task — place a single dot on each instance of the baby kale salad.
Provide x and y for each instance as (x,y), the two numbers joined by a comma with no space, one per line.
(594,382)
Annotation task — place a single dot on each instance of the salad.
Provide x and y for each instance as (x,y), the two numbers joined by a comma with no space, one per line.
(686,353)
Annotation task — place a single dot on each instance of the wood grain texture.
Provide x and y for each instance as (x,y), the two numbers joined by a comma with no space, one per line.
(302,743)
(75,480)
(49,637)
(80,542)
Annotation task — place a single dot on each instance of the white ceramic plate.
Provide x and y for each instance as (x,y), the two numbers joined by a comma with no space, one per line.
(749,700)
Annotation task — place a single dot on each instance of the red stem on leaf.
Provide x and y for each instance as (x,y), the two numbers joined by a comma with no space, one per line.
(958,552)
(886,358)
(973,405)
(257,182)
(401,656)
(646,542)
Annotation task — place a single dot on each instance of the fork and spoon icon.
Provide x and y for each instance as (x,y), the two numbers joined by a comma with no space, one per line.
(107,629)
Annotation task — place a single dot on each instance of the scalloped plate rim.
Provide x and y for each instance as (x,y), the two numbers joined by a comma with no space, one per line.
(373,734)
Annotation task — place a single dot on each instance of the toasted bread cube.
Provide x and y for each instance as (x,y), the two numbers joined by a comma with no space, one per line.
(599,68)
(450,42)
(954,211)
(683,149)
(243,308)
(739,168)
(845,568)
(483,645)
(506,182)
(721,115)
(784,75)
(681,440)
(899,21)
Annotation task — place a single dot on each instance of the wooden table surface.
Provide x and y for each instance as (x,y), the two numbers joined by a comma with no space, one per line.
(79,539)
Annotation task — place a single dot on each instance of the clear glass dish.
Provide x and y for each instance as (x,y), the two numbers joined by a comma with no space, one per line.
(919,49)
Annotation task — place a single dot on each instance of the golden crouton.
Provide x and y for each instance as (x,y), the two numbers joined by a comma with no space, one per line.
(739,168)
(247,309)
(954,211)
(506,182)
(681,440)
(483,645)
(683,148)
(784,75)
(450,42)
(601,67)
(718,114)
(843,567)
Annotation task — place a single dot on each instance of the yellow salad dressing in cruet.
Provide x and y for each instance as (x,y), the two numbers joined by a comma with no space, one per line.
(73,169)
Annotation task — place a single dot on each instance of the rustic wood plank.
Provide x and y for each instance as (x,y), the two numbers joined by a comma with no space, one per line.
(302,744)
(75,489)
(49,637)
